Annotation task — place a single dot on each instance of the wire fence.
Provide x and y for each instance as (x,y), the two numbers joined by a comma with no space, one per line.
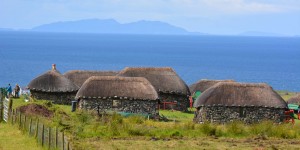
(48,137)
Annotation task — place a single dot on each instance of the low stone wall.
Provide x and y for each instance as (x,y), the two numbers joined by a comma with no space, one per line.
(181,101)
(120,105)
(64,98)
(247,114)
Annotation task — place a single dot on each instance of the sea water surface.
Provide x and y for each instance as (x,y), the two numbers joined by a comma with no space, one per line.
(272,60)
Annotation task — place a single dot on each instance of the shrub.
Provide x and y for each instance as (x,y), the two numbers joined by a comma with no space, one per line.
(136,119)
(176,134)
(236,128)
(83,117)
(189,126)
(208,129)
(138,131)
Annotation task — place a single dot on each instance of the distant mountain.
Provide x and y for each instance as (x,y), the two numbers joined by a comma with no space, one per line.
(258,33)
(112,26)
(6,29)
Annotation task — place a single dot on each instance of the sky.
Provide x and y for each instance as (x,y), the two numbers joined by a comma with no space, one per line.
(224,17)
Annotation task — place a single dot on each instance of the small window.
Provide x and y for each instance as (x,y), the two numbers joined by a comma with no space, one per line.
(116,103)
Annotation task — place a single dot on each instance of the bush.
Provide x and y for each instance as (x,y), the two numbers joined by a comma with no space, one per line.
(137,131)
(236,128)
(136,119)
(176,134)
(189,126)
(208,129)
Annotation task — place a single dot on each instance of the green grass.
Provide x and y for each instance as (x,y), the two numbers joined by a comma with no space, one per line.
(11,138)
(87,130)
(177,115)
(286,95)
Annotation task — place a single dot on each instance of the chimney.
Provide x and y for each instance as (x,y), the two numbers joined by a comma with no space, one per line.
(53,66)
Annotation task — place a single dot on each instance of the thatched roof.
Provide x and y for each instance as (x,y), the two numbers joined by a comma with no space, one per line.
(204,84)
(103,87)
(163,79)
(52,81)
(240,94)
(79,76)
(294,100)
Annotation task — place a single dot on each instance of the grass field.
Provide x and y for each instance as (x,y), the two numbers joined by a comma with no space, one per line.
(89,131)
(286,94)
(11,138)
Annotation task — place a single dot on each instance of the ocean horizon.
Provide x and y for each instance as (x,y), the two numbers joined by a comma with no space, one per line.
(271,60)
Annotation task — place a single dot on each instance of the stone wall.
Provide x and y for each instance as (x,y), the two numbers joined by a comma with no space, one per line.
(64,98)
(181,101)
(120,105)
(247,114)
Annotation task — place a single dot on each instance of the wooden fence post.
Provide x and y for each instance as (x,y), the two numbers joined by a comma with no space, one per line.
(24,126)
(20,118)
(56,135)
(49,137)
(30,124)
(16,113)
(63,140)
(37,129)
(10,104)
(12,116)
(43,134)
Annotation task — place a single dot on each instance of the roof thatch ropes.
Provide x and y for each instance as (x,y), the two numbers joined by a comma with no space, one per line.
(104,87)
(240,94)
(204,84)
(52,81)
(164,79)
(78,77)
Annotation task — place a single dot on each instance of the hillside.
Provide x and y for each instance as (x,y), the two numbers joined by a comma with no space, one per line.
(111,26)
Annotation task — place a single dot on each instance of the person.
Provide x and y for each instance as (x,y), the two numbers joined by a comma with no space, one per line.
(9,90)
(17,90)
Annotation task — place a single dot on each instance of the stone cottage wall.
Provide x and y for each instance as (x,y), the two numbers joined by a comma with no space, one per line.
(181,101)
(64,98)
(247,114)
(120,105)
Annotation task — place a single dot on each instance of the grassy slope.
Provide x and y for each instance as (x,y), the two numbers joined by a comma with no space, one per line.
(286,94)
(13,139)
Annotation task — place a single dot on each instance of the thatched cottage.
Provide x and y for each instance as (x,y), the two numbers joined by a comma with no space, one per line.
(52,85)
(120,94)
(204,84)
(294,100)
(228,101)
(172,90)
(78,77)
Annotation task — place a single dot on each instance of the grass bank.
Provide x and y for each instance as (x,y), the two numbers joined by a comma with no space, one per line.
(11,138)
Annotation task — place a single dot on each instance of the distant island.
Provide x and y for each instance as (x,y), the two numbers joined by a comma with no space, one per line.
(112,26)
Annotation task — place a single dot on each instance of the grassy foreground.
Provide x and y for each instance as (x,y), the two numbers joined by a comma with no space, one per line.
(11,138)
(89,131)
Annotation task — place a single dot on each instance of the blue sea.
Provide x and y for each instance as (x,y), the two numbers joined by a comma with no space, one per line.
(272,60)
